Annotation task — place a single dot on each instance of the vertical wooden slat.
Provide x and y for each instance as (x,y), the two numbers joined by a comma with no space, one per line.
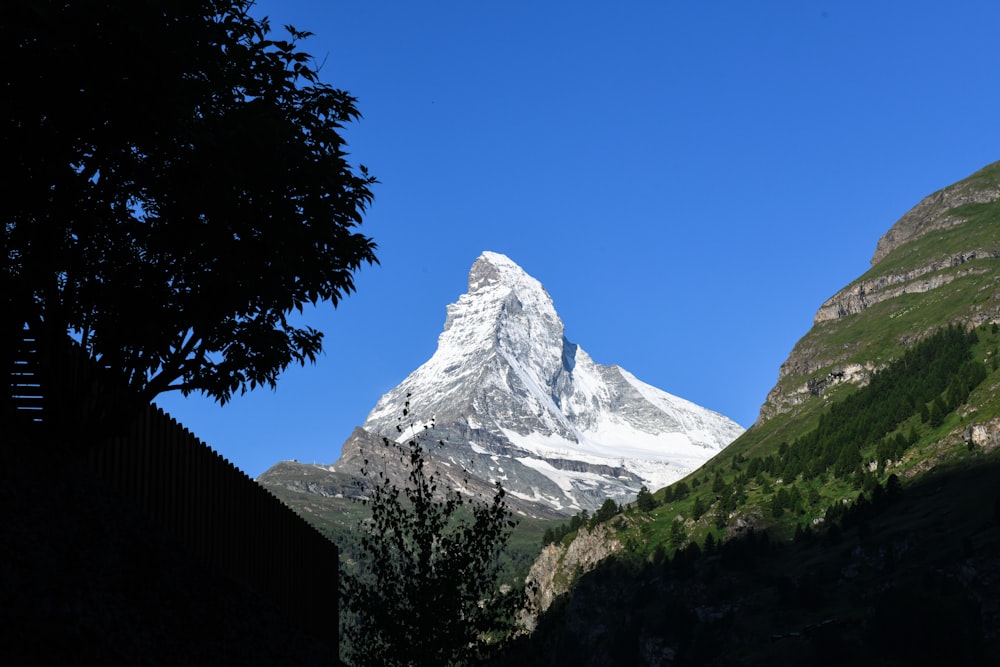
(223,516)
(208,504)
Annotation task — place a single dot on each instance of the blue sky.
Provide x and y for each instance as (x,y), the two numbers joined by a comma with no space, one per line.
(689,180)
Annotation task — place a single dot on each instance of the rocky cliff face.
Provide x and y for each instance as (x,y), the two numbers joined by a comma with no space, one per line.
(936,264)
(866,293)
(935,211)
(558,566)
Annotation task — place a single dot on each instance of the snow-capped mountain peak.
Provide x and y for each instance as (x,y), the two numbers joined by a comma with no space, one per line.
(506,387)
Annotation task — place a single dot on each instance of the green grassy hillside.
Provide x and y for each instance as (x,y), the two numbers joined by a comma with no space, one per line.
(783,475)
(786,474)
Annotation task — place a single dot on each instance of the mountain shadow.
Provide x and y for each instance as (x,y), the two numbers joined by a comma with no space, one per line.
(912,581)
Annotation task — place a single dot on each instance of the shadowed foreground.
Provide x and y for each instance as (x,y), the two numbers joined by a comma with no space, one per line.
(85,578)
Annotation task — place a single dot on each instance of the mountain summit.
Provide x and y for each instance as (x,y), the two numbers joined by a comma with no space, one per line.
(515,400)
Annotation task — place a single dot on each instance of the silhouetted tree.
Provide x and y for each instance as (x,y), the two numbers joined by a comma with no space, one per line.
(832,536)
(879,498)
(804,534)
(427,590)
(177,185)
(893,488)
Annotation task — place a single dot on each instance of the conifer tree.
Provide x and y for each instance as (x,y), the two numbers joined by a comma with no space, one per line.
(699,508)
(938,412)
(645,500)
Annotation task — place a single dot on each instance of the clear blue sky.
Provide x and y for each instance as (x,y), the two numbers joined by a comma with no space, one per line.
(689,180)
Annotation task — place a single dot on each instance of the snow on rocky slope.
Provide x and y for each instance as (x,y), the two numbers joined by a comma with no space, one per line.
(515,400)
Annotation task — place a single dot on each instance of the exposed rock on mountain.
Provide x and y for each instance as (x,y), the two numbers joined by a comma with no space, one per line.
(866,293)
(510,398)
(938,264)
(936,211)
(558,565)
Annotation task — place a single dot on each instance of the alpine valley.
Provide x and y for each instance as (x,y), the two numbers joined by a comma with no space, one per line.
(856,522)
(509,398)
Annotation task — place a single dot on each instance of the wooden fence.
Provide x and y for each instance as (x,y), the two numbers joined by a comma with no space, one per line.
(205,502)
(224,517)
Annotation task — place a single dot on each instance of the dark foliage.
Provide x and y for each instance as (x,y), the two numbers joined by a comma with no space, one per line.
(645,500)
(176,187)
(426,591)
(607,511)
(558,532)
(926,627)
